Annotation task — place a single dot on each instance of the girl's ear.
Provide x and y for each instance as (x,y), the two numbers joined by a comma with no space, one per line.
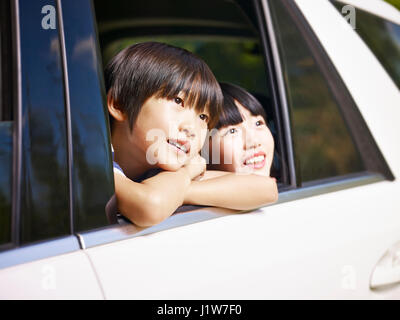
(116,113)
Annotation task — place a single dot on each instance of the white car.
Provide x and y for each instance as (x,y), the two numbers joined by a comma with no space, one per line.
(332,97)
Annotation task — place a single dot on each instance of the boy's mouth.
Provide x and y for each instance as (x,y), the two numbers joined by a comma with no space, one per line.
(257,160)
(182,145)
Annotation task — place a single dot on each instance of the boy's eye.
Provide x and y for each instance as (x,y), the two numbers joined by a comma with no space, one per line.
(178,101)
(204,117)
(231,131)
(259,123)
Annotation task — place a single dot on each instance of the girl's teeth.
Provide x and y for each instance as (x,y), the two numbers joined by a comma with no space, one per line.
(255,159)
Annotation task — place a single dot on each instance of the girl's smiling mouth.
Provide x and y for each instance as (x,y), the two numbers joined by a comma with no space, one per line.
(257,160)
(180,145)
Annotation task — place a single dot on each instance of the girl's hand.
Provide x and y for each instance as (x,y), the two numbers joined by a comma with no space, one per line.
(196,167)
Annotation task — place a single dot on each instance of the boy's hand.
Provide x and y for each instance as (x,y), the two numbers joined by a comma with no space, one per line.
(195,167)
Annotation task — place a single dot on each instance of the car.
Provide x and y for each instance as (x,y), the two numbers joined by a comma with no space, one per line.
(327,73)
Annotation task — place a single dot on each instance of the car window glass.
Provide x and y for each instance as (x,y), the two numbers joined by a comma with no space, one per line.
(324,147)
(44,183)
(382,37)
(6,148)
(93,180)
(6,125)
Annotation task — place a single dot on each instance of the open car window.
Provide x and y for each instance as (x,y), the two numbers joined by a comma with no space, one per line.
(223,33)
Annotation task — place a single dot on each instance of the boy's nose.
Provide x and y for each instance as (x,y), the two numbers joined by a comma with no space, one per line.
(187,123)
(188,130)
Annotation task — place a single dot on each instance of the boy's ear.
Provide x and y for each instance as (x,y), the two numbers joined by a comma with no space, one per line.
(116,113)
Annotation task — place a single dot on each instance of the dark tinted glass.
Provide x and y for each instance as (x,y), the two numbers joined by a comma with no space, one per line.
(44,185)
(6,148)
(92,175)
(383,38)
(323,145)
(6,127)
(6,63)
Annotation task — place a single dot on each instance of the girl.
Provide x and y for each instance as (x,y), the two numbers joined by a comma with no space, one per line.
(244,142)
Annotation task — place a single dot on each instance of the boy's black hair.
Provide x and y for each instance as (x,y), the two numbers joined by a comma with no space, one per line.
(151,68)
(230,114)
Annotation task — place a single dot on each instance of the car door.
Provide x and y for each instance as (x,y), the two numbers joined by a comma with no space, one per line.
(337,214)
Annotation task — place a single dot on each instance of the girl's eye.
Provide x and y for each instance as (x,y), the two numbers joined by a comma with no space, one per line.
(178,101)
(259,123)
(204,117)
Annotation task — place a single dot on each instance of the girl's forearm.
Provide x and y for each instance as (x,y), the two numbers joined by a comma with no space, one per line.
(232,191)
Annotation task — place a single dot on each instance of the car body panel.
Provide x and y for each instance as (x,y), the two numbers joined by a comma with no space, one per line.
(66,276)
(311,248)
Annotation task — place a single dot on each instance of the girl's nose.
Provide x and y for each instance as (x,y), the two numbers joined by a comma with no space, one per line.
(250,140)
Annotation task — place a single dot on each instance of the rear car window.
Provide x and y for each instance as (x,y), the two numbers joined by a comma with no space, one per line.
(324,147)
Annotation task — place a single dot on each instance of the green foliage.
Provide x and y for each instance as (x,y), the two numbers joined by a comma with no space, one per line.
(395,3)
(235,60)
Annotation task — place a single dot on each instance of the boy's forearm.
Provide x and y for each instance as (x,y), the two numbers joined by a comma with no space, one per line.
(170,188)
(152,201)
(238,192)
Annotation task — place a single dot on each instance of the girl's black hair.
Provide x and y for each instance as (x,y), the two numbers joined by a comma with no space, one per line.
(151,68)
(230,114)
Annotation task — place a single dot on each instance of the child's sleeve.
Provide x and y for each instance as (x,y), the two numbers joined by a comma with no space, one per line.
(117,168)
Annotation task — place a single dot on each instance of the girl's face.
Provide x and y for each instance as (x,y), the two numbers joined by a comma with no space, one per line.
(247,147)
(168,132)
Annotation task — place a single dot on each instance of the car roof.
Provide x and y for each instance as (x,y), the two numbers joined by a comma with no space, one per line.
(377,7)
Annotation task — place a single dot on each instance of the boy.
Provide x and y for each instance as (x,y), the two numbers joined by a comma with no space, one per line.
(159,91)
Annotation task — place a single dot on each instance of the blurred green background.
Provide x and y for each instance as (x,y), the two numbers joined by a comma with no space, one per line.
(395,3)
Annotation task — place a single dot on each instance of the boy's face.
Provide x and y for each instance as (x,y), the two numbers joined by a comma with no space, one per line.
(247,147)
(168,132)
